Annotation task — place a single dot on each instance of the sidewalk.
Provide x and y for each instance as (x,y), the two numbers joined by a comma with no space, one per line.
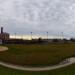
(71,61)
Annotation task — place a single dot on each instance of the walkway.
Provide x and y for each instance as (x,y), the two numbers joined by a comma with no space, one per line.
(62,64)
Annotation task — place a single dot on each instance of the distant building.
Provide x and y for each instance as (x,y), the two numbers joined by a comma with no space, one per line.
(3,35)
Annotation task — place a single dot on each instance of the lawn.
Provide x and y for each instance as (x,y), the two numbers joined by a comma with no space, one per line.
(37,55)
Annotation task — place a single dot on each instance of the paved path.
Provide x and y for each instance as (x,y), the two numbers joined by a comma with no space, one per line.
(62,64)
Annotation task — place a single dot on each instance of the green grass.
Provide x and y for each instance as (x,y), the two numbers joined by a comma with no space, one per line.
(70,70)
(37,55)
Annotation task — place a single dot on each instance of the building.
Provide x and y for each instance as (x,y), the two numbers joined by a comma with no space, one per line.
(4,35)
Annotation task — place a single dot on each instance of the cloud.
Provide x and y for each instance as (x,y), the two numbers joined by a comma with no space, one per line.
(23,16)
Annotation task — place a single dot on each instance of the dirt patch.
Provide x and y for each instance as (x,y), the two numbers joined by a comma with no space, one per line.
(3,48)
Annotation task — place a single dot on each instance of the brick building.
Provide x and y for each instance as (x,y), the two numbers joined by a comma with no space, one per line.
(4,35)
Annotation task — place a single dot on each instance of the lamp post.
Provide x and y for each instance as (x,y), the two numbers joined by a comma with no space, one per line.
(47,35)
(31,35)
(15,35)
(62,34)
(22,36)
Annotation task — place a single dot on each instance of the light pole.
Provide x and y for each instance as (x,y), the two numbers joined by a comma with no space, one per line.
(31,35)
(15,35)
(22,36)
(47,35)
(62,35)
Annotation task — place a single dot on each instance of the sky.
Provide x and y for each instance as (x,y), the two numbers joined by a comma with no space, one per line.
(38,16)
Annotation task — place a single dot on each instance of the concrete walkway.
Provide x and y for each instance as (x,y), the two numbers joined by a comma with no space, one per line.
(62,64)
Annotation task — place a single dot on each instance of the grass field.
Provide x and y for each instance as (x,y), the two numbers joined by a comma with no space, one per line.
(37,55)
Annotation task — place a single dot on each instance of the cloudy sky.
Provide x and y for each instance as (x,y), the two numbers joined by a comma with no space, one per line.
(38,16)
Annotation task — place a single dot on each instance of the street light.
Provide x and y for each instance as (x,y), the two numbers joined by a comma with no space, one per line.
(31,35)
(47,35)
(62,34)
(15,35)
(22,36)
